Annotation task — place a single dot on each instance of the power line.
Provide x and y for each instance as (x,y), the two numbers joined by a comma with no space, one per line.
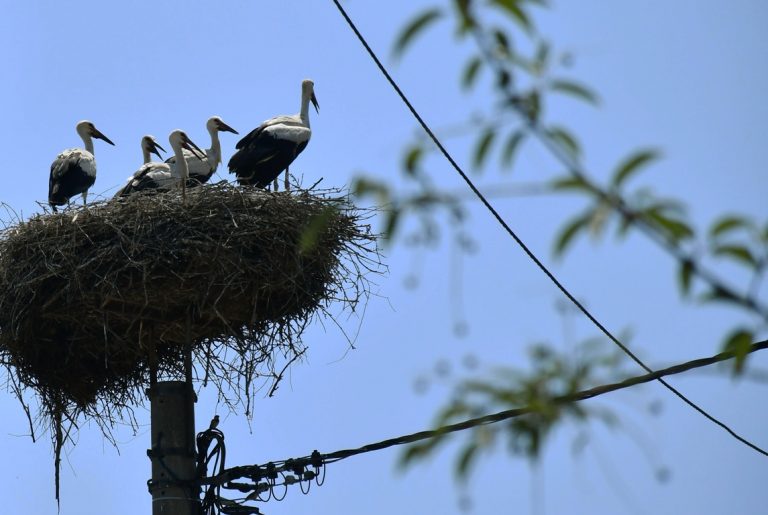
(317,459)
(523,246)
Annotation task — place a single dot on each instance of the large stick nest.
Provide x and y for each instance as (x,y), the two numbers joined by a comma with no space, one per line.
(92,300)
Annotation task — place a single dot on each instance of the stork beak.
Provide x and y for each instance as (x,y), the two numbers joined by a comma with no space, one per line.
(313,98)
(97,134)
(224,127)
(190,145)
(155,147)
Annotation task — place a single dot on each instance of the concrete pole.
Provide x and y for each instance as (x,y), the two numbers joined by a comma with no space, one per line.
(173,449)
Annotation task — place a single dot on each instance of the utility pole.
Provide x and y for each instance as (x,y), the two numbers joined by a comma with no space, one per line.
(173,487)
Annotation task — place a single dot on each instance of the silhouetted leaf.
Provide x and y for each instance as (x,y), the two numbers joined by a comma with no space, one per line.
(570,231)
(570,183)
(510,147)
(565,139)
(513,9)
(466,21)
(390,224)
(684,276)
(739,343)
(574,89)
(484,143)
(502,42)
(470,72)
(676,229)
(466,457)
(412,159)
(414,28)
(736,252)
(727,224)
(363,187)
(632,165)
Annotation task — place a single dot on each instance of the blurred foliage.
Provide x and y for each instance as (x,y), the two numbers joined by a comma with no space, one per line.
(551,374)
(510,62)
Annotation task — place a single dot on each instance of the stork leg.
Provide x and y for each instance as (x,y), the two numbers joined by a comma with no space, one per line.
(85,197)
(287,175)
(275,183)
(184,190)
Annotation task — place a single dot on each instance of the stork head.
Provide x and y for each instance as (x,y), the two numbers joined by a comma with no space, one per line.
(148,144)
(308,91)
(87,129)
(215,123)
(180,140)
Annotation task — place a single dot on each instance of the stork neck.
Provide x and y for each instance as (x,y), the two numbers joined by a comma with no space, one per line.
(304,114)
(181,163)
(214,153)
(145,154)
(88,142)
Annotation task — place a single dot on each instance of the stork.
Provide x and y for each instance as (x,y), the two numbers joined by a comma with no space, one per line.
(271,147)
(152,175)
(200,170)
(180,141)
(73,171)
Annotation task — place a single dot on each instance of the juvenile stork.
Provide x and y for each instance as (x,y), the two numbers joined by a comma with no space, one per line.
(271,147)
(73,171)
(200,170)
(180,141)
(152,175)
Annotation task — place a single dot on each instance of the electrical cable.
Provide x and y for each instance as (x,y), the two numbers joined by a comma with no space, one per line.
(318,460)
(524,247)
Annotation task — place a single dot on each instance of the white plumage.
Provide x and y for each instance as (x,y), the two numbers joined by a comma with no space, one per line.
(73,171)
(201,170)
(271,147)
(152,175)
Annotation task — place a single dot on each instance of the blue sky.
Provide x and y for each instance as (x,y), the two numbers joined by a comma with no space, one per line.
(687,76)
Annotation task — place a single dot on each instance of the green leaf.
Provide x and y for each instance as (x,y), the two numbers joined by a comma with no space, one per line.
(414,28)
(466,21)
(728,224)
(565,139)
(484,143)
(632,165)
(390,224)
(739,342)
(315,229)
(513,9)
(470,72)
(574,89)
(676,229)
(569,232)
(570,183)
(510,148)
(362,187)
(502,42)
(466,457)
(684,275)
(737,253)
(412,159)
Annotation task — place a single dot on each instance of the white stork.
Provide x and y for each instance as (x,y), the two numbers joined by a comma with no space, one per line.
(180,141)
(271,147)
(152,175)
(200,170)
(73,171)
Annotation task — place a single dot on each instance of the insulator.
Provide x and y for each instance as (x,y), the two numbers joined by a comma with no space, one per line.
(309,475)
(316,460)
(290,479)
(271,470)
(263,487)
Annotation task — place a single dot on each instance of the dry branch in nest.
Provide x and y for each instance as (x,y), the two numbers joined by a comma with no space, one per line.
(92,298)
